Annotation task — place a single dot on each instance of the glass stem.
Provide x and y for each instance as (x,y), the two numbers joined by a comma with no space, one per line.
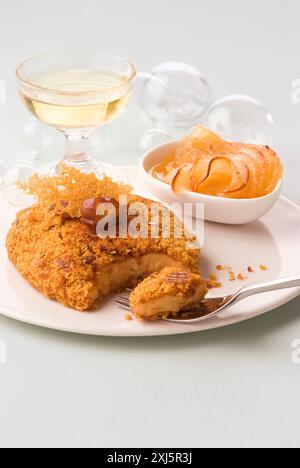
(77,149)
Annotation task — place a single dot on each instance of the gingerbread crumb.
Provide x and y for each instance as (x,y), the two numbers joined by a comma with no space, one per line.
(250,269)
(232,276)
(223,268)
(241,277)
(213,277)
(213,284)
(128,317)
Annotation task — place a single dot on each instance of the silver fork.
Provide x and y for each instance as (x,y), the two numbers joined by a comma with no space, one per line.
(213,306)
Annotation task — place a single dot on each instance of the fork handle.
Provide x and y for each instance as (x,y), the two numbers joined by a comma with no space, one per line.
(271,285)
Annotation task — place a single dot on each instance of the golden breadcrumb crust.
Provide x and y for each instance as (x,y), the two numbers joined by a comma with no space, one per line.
(168,282)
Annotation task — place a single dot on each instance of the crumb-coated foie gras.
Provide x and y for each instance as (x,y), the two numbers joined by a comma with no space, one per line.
(66,261)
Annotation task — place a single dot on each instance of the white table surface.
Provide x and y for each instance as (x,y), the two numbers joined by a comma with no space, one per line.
(229,387)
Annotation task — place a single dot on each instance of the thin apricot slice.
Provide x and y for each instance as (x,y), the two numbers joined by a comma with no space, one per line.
(165,171)
(269,170)
(276,168)
(240,176)
(261,162)
(182,180)
(200,170)
(219,178)
(249,190)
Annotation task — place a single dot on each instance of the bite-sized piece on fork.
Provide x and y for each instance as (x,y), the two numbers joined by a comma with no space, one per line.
(167,293)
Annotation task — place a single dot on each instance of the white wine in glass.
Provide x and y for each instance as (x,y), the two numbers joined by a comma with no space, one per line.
(76,92)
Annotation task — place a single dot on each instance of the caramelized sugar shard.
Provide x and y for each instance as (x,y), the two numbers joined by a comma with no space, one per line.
(73,187)
(206,141)
(201,142)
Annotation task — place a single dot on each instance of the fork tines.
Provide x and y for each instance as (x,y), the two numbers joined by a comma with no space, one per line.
(122,299)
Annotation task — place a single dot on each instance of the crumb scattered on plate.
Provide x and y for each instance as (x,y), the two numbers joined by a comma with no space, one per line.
(213,277)
(223,268)
(128,317)
(241,277)
(213,282)
(231,275)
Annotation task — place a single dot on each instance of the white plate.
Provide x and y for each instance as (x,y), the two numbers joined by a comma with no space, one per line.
(273,241)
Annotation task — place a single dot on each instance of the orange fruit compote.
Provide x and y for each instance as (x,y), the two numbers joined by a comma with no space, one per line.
(204,163)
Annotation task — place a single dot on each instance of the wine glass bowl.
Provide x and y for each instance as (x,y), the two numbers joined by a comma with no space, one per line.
(76,92)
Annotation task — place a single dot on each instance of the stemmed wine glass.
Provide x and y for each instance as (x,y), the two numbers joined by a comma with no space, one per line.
(76,92)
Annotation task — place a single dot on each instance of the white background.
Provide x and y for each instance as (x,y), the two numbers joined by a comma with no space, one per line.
(229,387)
